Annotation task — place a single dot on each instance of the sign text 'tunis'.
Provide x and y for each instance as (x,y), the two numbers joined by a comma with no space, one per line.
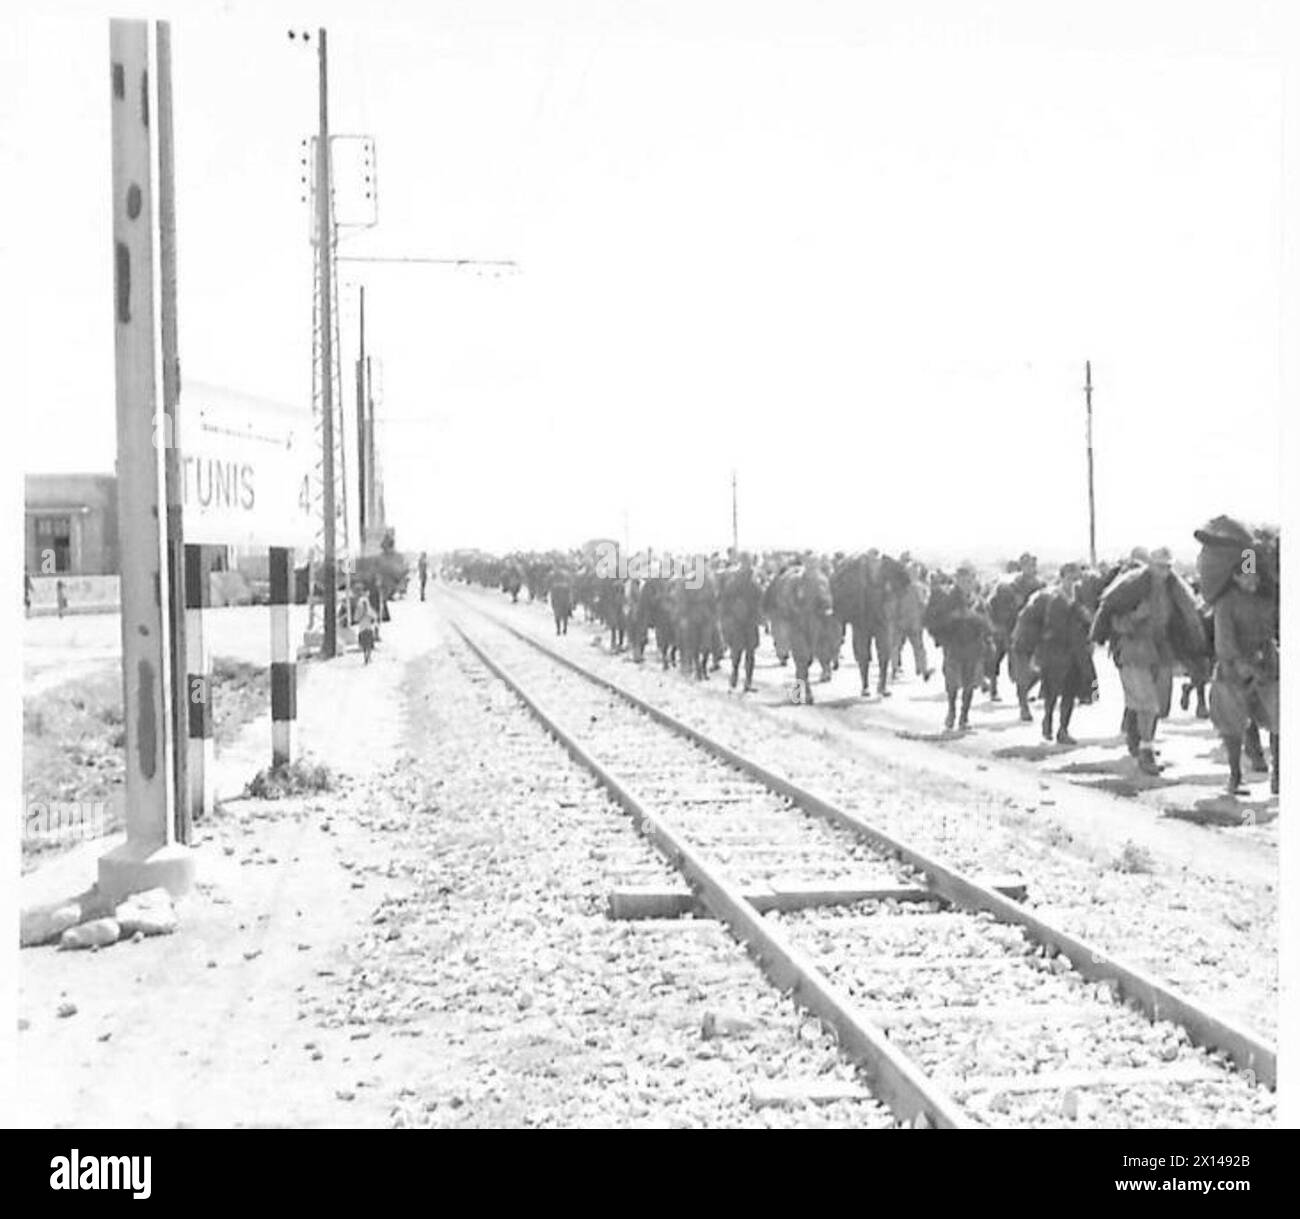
(245,469)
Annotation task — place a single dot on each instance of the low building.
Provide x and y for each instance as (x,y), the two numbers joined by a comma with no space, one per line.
(71,525)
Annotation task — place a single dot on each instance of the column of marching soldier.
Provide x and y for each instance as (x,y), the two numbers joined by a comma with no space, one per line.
(1218,628)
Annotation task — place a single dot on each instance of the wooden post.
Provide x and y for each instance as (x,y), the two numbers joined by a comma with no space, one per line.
(171,387)
(150,856)
(284,671)
(362,480)
(198,664)
(735,527)
(325,255)
(1092,503)
(372,505)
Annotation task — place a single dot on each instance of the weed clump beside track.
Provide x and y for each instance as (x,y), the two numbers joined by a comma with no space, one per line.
(290,779)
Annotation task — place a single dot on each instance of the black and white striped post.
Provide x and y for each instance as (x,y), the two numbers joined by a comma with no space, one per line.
(284,670)
(198,669)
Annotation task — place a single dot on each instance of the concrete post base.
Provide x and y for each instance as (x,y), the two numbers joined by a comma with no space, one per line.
(135,867)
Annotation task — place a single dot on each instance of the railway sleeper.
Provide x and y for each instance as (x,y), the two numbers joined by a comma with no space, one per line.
(654,902)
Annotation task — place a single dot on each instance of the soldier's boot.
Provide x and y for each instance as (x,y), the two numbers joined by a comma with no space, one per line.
(966,696)
(1048,711)
(1202,711)
(749,672)
(807,692)
(735,671)
(951,718)
(1254,748)
(994,696)
(1276,752)
(1147,763)
(1235,785)
(1186,697)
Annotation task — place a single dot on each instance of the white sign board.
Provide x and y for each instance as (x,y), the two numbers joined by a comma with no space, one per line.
(245,469)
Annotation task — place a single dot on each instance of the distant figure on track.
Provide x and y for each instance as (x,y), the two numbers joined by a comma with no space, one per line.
(561,595)
(1149,618)
(1008,597)
(60,597)
(1246,672)
(909,611)
(365,622)
(423,567)
(1051,634)
(740,600)
(959,622)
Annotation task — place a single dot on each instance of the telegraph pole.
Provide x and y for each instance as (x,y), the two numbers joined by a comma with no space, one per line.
(362,458)
(1092,503)
(324,253)
(372,477)
(735,528)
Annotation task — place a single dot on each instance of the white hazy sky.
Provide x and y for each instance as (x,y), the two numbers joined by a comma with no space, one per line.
(857,252)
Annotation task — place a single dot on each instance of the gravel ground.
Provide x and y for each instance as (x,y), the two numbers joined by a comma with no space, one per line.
(963,992)
(1215,937)
(752,834)
(546,1013)
(423,945)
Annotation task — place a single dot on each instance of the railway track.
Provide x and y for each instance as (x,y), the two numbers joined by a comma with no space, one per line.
(961,1007)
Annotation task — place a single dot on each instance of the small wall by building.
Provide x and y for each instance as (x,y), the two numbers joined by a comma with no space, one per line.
(82,595)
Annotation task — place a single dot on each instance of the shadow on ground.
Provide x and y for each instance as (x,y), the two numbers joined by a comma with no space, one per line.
(1225,810)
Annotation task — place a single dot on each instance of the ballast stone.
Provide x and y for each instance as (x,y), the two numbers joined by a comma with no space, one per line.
(47,924)
(98,933)
(149,913)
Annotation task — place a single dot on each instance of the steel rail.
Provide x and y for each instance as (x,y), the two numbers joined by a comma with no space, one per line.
(1160,1001)
(894,1078)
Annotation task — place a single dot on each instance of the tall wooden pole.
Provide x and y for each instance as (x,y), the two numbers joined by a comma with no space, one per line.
(361,429)
(150,856)
(324,252)
(373,514)
(1092,502)
(171,389)
(735,527)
